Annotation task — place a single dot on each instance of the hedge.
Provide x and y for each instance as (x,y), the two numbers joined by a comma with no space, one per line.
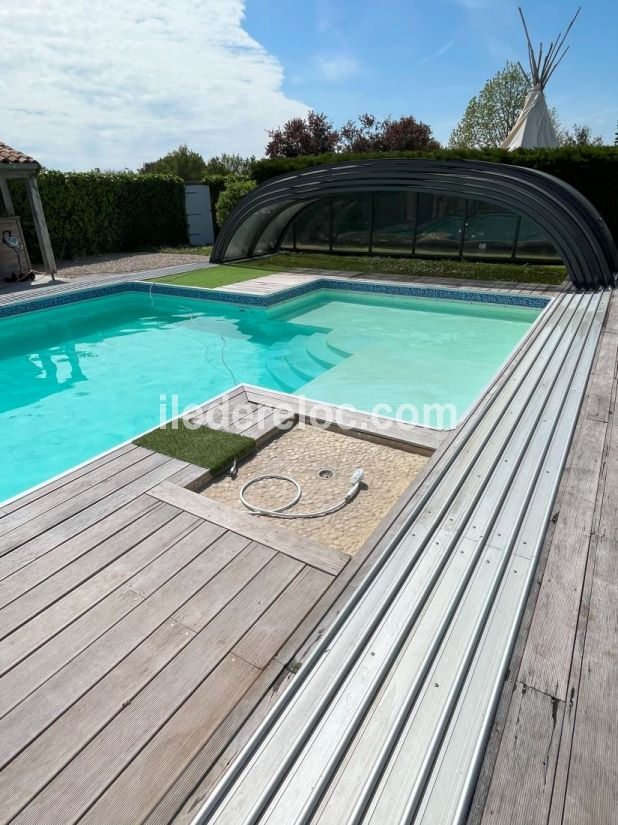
(234,191)
(590,169)
(90,213)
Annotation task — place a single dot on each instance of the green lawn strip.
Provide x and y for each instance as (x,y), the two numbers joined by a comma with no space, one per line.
(208,448)
(216,276)
(521,273)
(224,274)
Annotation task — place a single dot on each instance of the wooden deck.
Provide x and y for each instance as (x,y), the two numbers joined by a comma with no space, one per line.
(138,627)
(553,754)
(146,632)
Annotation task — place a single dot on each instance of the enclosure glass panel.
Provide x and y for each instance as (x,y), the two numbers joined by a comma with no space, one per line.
(240,245)
(269,239)
(533,243)
(351,223)
(313,227)
(439,225)
(394,217)
(490,231)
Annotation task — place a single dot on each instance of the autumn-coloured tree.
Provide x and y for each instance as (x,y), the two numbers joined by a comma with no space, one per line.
(312,135)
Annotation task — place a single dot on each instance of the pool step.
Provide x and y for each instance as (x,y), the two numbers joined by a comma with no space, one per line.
(338,344)
(303,365)
(318,350)
(286,378)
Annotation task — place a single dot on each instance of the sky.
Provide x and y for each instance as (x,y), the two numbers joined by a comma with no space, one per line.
(112,84)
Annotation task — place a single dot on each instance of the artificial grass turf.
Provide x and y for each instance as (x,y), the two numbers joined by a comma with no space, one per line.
(208,448)
(216,276)
(439,268)
(224,274)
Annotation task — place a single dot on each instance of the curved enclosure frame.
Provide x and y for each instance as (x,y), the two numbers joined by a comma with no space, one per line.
(566,224)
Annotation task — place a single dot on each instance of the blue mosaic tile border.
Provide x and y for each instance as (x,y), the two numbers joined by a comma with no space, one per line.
(64,298)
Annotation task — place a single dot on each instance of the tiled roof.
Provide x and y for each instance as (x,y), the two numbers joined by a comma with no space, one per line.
(10,155)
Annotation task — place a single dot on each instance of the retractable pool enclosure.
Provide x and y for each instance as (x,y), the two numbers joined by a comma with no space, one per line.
(425,208)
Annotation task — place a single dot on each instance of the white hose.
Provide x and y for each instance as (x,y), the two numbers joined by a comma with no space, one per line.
(278,512)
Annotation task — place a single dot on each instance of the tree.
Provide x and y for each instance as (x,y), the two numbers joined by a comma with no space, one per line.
(388,135)
(491,114)
(182,162)
(579,136)
(232,164)
(235,189)
(407,134)
(299,136)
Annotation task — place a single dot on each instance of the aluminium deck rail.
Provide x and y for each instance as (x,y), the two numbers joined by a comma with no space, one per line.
(388,718)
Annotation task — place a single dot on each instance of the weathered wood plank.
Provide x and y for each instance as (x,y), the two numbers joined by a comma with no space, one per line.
(268,634)
(48,500)
(41,665)
(84,571)
(592,789)
(352,420)
(80,521)
(521,790)
(69,683)
(137,790)
(207,602)
(62,556)
(79,785)
(264,532)
(547,658)
(600,388)
(56,746)
(142,463)
(65,611)
(65,479)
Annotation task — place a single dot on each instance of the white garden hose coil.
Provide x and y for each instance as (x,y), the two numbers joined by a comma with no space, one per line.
(279,512)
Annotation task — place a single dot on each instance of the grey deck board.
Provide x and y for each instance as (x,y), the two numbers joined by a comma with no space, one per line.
(35,542)
(280,538)
(145,781)
(63,480)
(577,755)
(27,577)
(122,739)
(102,591)
(100,561)
(77,487)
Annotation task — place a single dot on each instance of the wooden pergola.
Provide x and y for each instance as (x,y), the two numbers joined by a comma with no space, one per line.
(15,164)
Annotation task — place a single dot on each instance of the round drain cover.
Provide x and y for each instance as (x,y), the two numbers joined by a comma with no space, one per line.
(326,473)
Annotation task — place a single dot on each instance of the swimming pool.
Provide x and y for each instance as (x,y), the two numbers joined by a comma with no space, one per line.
(81,378)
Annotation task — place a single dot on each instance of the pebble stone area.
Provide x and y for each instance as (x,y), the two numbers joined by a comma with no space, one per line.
(302,453)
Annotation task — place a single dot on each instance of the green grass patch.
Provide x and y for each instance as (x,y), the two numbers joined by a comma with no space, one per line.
(216,276)
(208,448)
(224,274)
(469,270)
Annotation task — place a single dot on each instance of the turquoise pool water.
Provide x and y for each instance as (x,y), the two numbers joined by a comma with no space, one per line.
(79,379)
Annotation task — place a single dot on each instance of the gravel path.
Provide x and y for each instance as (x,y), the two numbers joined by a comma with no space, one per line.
(123,262)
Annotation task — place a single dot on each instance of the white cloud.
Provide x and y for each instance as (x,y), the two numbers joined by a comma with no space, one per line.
(336,66)
(111,84)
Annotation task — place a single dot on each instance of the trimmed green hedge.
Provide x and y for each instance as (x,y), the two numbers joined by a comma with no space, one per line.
(593,170)
(90,213)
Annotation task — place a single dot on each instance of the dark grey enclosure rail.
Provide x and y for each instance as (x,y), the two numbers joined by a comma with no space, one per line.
(570,221)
